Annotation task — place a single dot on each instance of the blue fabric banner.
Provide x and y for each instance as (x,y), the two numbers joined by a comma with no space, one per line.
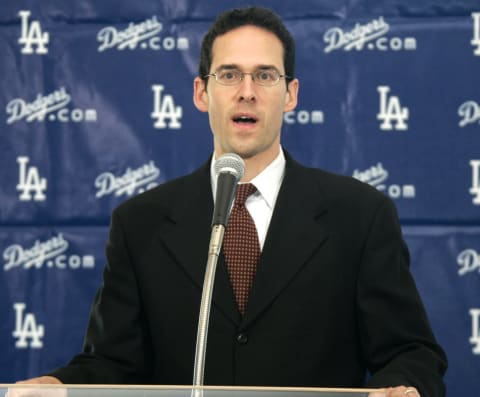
(96,102)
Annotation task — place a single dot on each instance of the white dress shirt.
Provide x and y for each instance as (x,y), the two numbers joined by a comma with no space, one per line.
(260,205)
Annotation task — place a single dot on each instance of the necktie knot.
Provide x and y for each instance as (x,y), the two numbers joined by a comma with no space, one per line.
(244,190)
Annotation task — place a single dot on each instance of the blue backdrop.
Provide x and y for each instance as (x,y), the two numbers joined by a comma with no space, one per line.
(96,107)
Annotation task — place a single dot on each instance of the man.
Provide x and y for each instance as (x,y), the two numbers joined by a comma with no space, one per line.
(333,303)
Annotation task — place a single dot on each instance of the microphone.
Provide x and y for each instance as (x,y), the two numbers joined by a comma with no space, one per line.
(229,169)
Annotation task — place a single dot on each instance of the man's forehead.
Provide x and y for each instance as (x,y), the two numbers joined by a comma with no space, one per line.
(247,47)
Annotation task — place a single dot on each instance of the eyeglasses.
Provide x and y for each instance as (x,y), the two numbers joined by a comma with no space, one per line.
(263,77)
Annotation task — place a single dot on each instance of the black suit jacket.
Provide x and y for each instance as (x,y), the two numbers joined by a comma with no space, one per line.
(333,303)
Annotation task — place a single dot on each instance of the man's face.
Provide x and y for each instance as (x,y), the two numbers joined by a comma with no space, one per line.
(246,118)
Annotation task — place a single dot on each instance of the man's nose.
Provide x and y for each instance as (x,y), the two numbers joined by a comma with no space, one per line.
(247,88)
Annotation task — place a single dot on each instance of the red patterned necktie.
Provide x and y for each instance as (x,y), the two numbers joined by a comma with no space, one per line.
(241,247)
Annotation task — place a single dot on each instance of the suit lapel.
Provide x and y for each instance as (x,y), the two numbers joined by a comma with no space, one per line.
(187,236)
(295,232)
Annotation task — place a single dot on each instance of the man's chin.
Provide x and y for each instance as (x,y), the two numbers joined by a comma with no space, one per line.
(244,153)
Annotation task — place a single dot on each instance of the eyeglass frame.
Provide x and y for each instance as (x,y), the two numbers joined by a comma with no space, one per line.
(255,81)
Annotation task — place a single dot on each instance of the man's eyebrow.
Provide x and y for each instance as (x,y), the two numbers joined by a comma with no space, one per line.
(229,66)
(257,67)
(266,67)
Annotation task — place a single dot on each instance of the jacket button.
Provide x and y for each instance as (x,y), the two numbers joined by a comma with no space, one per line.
(242,338)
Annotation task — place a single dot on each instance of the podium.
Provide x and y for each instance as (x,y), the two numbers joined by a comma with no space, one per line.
(15,390)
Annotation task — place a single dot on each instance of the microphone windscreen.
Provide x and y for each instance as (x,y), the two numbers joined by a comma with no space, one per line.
(231,163)
(229,169)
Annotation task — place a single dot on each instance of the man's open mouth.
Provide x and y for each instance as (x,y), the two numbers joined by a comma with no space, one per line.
(244,119)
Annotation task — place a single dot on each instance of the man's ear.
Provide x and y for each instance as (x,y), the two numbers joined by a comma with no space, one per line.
(200,96)
(291,97)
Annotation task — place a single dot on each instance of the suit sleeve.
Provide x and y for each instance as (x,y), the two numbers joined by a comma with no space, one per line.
(397,340)
(116,341)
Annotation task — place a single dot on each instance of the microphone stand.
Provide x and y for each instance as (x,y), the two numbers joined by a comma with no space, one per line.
(216,240)
(230,169)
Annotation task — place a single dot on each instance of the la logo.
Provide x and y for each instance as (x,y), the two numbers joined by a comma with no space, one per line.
(164,108)
(475,189)
(476,33)
(30,181)
(32,35)
(26,328)
(475,338)
(390,110)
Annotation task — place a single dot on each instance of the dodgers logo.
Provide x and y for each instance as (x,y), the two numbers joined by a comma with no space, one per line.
(50,253)
(19,109)
(27,333)
(51,107)
(144,35)
(164,109)
(30,181)
(374,176)
(370,35)
(32,35)
(470,113)
(15,255)
(469,261)
(391,111)
(137,180)
(377,176)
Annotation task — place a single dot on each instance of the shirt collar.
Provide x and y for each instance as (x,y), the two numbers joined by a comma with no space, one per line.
(267,182)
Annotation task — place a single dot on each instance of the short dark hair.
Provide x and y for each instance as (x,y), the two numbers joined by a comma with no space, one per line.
(261,17)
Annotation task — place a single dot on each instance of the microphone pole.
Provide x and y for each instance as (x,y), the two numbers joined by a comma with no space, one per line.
(229,169)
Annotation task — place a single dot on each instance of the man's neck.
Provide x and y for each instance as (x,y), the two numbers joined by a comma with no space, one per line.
(256,164)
